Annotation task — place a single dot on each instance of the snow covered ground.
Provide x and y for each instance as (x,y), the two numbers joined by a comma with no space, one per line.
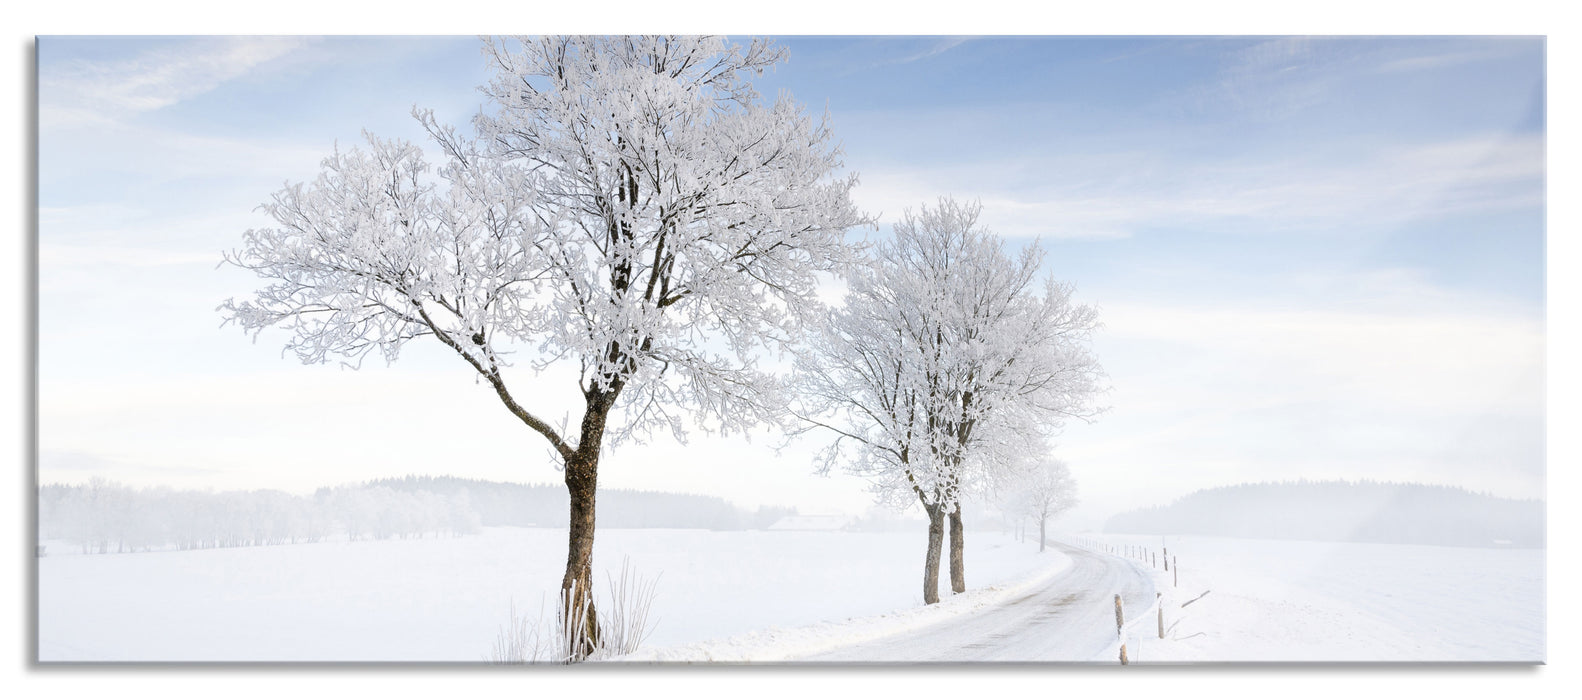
(445,599)
(1273,601)
(772,596)
(780,644)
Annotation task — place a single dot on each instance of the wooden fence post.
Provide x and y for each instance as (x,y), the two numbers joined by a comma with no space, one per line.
(1159,602)
(1120,625)
(1177,575)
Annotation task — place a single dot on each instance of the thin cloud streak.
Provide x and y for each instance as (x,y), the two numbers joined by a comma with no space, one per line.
(1080,198)
(1278,78)
(81,91)
(944,44)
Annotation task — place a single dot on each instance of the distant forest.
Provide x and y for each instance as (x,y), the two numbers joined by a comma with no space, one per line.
(1342,511)
(546,505)
(106,517)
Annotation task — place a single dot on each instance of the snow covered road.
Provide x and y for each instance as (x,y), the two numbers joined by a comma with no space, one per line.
(1070,618)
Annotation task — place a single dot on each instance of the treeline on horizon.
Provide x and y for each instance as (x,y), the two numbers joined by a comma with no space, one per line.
(102,516)
(1345,511)
(500,503)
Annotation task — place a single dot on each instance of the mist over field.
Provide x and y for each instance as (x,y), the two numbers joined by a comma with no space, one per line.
(105,517)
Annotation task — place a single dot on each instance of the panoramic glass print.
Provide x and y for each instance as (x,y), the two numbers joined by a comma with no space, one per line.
(820,350)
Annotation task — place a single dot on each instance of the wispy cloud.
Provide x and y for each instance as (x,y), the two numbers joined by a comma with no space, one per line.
(934,48)
(1269,79)
(1113,195)
(940,46)
(1435,61)
(82,90)
(1278,78)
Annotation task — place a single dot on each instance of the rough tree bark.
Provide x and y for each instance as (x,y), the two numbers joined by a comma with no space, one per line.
(582,484)
(936,541)
(958,564)
(1041,521)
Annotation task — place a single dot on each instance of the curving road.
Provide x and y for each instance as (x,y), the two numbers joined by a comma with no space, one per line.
(1070,618)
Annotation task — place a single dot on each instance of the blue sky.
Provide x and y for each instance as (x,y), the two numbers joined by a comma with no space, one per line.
(1315,257)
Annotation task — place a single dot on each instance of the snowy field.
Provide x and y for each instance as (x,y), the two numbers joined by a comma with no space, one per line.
(768,596)
(445,599)
(1274,601)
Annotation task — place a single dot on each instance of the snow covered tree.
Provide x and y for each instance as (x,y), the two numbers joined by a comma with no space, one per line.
(626,204)
(946,364)
(1042,491)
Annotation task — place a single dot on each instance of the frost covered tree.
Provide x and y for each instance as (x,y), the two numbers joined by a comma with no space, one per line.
(625,204)
(948,361)
(1044,490)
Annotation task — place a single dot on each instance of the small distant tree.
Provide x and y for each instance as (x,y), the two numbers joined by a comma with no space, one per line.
(948,362)
(626,205)
(1044,490)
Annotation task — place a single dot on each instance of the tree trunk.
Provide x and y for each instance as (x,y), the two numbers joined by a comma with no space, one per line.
(1041,522)
(936,541)
(582,484)
(576,587)
(958,564)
